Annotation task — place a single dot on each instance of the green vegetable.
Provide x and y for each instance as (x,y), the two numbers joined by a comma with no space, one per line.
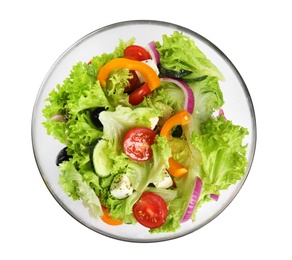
(193,78)
(179,52)
(173,73)
(223,155)
(208,97)
(101,163)
(73,184)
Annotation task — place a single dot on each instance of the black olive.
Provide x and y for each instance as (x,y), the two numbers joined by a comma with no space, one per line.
(62,156)
(95,116)
(177,131)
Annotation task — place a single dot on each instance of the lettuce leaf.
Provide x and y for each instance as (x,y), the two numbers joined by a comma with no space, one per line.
(223,154)
(75,187)
(208,98)
(172,96)
(178,51)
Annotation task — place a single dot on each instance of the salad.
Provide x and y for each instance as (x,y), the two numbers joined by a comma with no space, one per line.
(146,141)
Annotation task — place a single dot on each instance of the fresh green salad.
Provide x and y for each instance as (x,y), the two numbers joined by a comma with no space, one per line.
(146,141)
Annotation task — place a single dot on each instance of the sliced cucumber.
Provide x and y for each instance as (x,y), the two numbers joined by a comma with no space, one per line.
(186,75)
(173,73)
(193,78)
(101,163)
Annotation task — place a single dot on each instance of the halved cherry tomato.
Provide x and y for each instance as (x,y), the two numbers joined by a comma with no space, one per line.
(137,143)
(150,210)
(136,97)
(134,82)
(108,219)
(135,52)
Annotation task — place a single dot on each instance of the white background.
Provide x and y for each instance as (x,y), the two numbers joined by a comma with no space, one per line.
(255,35)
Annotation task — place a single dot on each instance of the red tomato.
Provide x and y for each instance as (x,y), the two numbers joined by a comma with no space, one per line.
(134,81)
(137,143)
(135,52)
(136,97)
(150,210)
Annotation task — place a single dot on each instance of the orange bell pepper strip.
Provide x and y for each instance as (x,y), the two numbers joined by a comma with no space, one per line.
(146,71)
(180,118)
(175,168)
(108,219)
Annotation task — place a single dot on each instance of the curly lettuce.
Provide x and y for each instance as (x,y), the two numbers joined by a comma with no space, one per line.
(178,51)
(223,154)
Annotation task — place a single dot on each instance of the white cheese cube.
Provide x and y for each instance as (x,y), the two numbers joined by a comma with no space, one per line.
(121,186)
(154,121)
(166,181)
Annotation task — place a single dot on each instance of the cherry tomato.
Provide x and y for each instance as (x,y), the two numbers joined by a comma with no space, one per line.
(135,52)
(137,143)
(134,82)
(150,210)
(136,97)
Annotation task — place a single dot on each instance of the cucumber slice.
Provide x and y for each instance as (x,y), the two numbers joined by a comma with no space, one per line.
(101,163)
(173,73)
(193,78)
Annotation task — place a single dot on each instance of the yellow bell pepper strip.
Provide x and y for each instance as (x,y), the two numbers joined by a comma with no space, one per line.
(146,71)
(180,118)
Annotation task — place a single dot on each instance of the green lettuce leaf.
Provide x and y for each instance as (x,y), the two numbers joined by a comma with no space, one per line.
(172,96)
(178,51)
(223,154)
(75,187)
(208,98)
(117,81)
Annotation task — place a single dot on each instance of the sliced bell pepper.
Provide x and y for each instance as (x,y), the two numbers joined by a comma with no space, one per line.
(180,118)
(147,72)
(176,169)
(108,219)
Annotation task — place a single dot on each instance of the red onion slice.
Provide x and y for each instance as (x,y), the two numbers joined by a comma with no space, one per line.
(221,112)
(153,52)
(189,94)
(214,197)
(193,201)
